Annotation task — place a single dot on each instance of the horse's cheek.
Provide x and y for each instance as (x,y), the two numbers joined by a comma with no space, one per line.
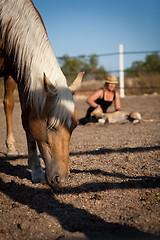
(37,129)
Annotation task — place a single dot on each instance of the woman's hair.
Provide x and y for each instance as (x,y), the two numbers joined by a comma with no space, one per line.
(106,85)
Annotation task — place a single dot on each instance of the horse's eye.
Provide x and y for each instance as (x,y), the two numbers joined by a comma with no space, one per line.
(49,126)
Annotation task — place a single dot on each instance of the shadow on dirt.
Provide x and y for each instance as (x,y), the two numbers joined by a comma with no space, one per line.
(18,170)
(102,151)
(152,182)
(12,158)
(71,218)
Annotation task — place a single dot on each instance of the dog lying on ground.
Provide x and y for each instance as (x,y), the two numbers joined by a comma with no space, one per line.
(116,117)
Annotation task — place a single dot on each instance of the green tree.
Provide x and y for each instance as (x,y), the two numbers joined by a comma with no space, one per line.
(135,68)
(144,77)
(71,66)
(101,73)
(93,61)
(152,62)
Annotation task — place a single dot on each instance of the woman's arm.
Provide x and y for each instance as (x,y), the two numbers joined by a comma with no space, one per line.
(92,98)
(117,101)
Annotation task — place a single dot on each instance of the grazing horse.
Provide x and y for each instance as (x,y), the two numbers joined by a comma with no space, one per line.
(48,108)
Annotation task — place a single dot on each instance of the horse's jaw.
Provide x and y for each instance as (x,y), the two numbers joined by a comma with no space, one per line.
(57,167)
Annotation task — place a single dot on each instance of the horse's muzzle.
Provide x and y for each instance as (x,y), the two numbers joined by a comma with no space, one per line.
(55,181)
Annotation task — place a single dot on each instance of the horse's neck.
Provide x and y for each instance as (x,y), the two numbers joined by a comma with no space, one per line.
(28,47)
(27,44)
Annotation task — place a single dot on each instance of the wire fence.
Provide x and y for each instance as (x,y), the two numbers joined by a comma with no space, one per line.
(147,85)
(112,54)
(115,53)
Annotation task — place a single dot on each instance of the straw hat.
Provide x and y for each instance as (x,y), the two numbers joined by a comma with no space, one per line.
(112,79)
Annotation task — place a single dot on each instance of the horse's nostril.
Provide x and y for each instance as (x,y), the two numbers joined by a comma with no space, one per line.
(57,179)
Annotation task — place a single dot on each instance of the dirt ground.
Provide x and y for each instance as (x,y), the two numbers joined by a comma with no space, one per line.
(113,189)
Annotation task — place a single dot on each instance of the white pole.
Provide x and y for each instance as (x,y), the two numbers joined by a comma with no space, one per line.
(121,73)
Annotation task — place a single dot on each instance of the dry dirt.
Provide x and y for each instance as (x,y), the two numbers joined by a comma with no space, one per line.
(113,189)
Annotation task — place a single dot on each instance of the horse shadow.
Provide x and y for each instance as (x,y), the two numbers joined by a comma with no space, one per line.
(102,151)
(71,218)
(21,171)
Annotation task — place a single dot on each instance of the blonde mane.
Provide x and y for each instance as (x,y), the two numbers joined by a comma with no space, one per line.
(26,40)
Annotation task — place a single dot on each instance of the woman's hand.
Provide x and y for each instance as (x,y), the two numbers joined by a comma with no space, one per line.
(99,109)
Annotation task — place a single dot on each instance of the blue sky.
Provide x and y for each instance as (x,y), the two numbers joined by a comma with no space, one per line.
(86,27)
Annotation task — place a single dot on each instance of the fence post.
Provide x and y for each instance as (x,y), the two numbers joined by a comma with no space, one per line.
(121,71)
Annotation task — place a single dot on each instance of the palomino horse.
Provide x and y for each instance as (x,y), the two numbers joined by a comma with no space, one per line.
(48,109)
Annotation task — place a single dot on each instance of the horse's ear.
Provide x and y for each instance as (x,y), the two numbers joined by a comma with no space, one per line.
(48,86)
(77,83)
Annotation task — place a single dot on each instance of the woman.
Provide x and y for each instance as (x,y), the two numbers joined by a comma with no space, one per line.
(103,98)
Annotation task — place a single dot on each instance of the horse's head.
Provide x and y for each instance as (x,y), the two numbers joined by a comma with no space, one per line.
(53,133)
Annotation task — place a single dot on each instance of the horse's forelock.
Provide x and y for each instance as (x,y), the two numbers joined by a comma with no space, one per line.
(61,108)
